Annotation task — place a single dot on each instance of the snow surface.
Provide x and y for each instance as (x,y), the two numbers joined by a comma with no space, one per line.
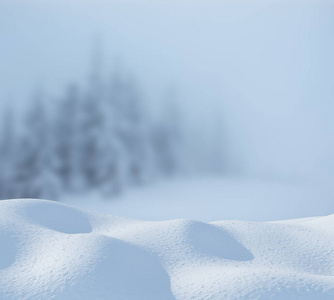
(213,198)
(53,251)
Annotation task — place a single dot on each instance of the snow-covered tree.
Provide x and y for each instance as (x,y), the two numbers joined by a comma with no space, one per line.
(7,155)
(67,140)
(34,176)
(132,131)
(113,170)
(92,124)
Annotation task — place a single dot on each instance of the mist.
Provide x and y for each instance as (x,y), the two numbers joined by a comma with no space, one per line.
(166,149)
(264,67)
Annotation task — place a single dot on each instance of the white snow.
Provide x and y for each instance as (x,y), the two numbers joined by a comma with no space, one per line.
(53,251)
(213,198)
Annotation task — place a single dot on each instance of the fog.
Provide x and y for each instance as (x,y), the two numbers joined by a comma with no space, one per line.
(263,68)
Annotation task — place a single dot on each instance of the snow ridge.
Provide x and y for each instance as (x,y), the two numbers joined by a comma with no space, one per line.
(53,251)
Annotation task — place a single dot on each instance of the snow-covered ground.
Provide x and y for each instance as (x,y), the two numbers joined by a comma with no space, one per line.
(212,199)
(53,251)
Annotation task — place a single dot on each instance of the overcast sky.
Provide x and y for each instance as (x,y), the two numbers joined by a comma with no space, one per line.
(266,66)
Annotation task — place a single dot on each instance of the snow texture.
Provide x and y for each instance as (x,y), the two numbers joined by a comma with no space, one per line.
(53,251)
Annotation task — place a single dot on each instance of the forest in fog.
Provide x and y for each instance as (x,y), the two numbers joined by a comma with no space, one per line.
(101,136)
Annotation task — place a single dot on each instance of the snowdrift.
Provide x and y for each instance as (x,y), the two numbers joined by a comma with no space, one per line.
(53,251)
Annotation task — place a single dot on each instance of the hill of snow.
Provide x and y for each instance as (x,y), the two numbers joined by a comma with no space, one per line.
(53,251)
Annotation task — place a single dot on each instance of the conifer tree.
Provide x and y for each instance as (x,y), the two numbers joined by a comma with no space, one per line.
(92,126)
(7,153)
(67,140)
(34,176)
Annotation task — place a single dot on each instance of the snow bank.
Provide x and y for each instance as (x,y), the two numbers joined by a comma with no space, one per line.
(53,251)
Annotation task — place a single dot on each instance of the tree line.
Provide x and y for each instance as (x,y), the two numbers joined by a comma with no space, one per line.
(100,136)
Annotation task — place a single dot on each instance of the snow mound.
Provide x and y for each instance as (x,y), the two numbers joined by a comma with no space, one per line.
(53,251)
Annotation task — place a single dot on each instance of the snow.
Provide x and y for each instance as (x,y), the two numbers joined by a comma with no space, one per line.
(54,251)
(214,198)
